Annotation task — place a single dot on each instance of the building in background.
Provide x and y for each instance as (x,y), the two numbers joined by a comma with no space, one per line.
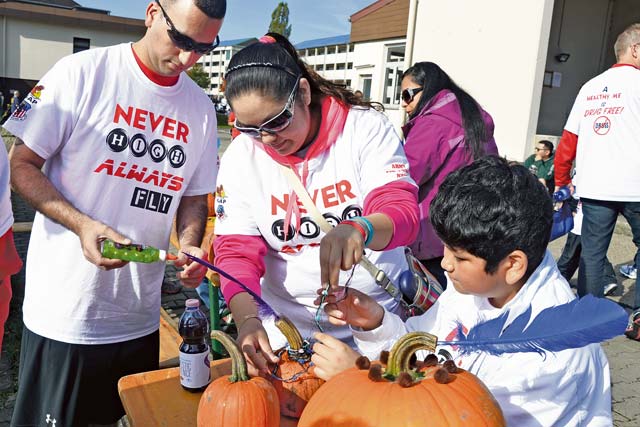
(331,57)
(215,63)
(378,33)
(35,34)
(524,61)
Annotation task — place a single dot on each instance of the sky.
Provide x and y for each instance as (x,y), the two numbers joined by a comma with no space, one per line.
(310,19)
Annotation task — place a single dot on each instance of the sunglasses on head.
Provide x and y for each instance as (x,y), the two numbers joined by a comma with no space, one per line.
(408,94)
(184,42)
(276,124)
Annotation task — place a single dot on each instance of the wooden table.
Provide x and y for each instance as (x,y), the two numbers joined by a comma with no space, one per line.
(156,398)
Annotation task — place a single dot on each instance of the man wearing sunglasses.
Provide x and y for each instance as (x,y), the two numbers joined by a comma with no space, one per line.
(541,163)
(112,143)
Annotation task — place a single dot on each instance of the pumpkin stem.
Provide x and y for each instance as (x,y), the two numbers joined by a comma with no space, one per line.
(238,364)
(291,333)
(404,348)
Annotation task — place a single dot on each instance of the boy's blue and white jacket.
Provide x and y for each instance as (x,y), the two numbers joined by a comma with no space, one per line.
(565,388)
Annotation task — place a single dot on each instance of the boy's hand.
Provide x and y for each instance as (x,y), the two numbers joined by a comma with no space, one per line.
(349,306)
(331,356)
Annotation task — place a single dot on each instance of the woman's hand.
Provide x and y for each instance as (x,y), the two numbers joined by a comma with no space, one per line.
(331,356)
(254,342)
(340,249)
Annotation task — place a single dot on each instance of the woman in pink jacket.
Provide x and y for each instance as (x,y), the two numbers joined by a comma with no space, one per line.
(447,130)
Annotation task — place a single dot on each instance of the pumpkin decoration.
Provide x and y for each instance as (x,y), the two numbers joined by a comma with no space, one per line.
(398,395)
(293,376)
(238,401)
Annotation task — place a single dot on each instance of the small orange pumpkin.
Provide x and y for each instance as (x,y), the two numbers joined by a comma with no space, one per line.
(293,378)
(400,396)
(238,401)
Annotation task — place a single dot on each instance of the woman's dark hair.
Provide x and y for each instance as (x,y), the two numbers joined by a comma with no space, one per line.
(490,209)
(271,69)
(433,79)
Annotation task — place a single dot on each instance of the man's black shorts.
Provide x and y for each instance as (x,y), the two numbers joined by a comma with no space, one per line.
(61,384)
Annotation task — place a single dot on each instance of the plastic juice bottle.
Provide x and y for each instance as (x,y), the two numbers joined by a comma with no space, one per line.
(195,373)
(134,252)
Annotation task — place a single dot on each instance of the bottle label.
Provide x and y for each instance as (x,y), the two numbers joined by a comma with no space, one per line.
(194,369)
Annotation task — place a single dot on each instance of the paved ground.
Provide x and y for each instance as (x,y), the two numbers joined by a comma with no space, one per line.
(622,352)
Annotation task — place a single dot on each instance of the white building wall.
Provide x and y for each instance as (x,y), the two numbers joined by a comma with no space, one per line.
(330,60)
(30,49)
(369,60)
(496,50)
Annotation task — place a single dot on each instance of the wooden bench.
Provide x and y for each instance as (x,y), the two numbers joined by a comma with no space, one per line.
(170,341)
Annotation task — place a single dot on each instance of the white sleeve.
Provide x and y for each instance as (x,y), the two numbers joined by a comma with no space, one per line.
(573,122)
(371,343)
(379,154)
(49,112)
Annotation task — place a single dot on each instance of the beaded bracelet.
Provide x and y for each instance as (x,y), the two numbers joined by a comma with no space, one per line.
(358,227)
(367,224)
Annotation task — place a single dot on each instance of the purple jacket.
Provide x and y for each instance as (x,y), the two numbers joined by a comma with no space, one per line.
(434,144)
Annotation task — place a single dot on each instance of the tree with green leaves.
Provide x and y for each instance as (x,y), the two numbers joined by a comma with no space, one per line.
(199,75)
(280,20)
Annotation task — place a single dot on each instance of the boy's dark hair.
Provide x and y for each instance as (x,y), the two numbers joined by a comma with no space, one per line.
(490,208)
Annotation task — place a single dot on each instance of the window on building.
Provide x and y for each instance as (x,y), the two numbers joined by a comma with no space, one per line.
(311,52)
(80,44)
(319,67)
(340,66)
(342,48)
(228,55)
(330,67)
(393,74)
(366,86)
(350,48)
(348,82)
(349,65)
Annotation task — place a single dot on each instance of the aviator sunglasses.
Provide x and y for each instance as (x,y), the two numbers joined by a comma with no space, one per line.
(278,123)
(408,94)
(185,42)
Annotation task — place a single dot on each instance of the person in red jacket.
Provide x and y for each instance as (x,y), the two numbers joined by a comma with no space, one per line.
(601,135)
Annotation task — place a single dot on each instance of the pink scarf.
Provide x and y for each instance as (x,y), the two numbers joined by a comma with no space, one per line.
(333,118)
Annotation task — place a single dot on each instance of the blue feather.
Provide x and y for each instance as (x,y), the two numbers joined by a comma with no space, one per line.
(264,309)
(572,325)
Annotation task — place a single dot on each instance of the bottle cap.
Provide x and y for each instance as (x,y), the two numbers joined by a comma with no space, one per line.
(192,303)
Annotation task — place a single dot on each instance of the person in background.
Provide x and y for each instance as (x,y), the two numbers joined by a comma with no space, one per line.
(497,264)
(601,135)
(447,129)
(570,257)
(15,102)
(541,163)
(349,159)
(10,262)
(123,174)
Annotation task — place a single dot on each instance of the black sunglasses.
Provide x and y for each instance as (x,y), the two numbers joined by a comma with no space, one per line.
(185,42)
(408,94)
(278,123)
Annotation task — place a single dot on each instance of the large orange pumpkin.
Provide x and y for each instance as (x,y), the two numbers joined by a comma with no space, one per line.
(238,401)
(293,379)
(400,396)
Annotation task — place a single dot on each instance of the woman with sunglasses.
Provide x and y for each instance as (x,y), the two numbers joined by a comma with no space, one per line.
(447,130)
(349,159)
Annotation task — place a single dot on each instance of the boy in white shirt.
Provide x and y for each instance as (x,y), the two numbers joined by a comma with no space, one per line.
(495,222)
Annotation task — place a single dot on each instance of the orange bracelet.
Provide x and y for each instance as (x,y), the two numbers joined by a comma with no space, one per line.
(358,227)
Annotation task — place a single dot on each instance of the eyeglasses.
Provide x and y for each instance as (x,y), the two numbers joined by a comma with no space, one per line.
(278,123)
(184,42)
(408,94)
(541,149)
